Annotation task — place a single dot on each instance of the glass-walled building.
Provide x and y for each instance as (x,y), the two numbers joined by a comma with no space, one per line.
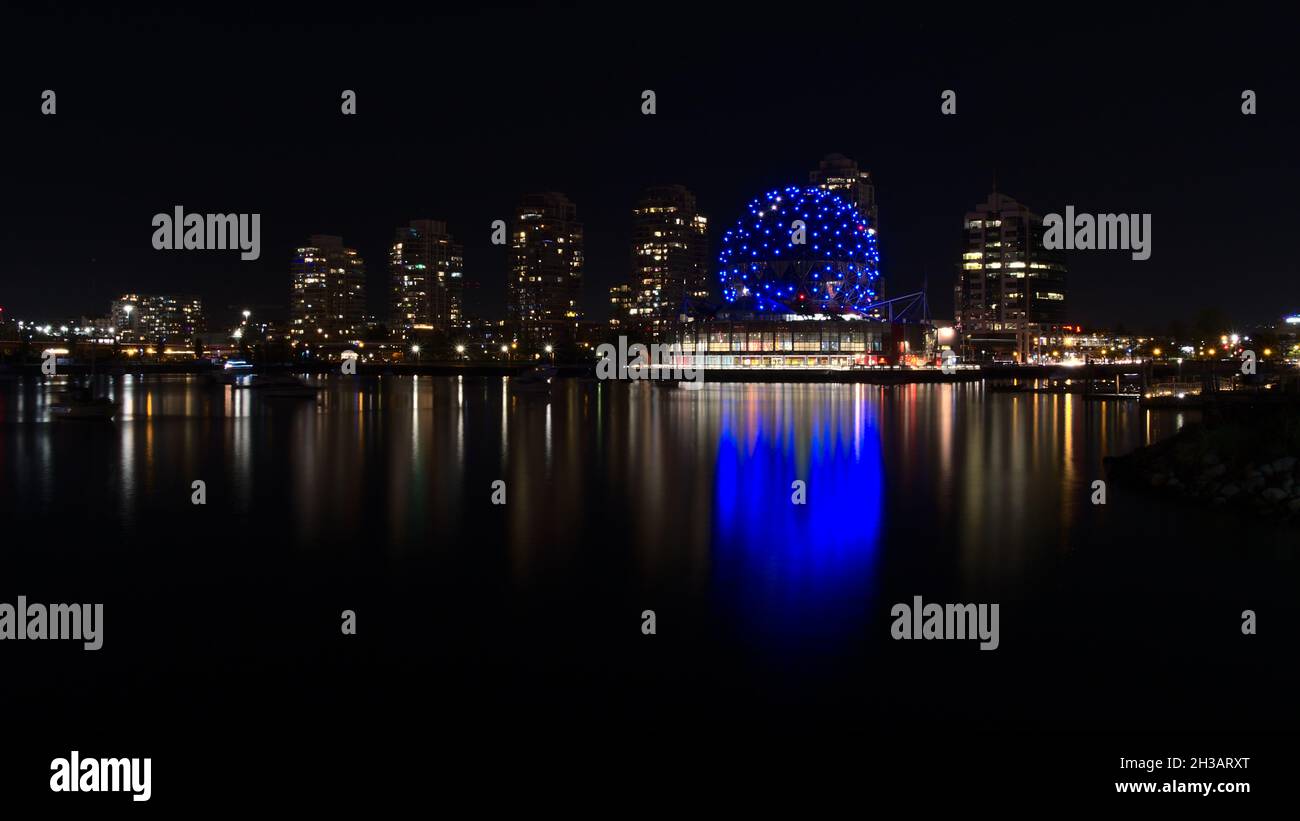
(802,343)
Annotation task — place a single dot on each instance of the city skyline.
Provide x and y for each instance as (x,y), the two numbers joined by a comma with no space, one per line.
(1141,148)
(393,287)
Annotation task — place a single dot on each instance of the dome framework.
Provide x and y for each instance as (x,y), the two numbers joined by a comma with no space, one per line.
(800,250)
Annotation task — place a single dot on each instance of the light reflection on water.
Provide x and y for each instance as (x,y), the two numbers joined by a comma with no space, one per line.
(662,488)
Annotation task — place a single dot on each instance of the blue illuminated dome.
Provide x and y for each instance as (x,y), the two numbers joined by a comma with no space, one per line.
(836,269)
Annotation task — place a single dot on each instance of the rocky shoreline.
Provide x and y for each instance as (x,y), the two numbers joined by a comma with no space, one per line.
(1250,466)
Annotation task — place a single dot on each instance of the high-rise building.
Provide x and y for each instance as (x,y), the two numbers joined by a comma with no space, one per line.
(670,249)
(427,268)
(155,317)
(621,301)
(329,292)
(1010,291)
(839,173)
(546,267)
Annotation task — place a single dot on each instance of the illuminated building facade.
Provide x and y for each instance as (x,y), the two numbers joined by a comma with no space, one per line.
(329,292)
(1010,291)
(428,275)
(799,296)
(764,341)
(670,248)
(151,318)
(838,173)
(621,301)
(546,268)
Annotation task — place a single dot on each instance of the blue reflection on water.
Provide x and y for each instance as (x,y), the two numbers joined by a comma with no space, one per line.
(797,570)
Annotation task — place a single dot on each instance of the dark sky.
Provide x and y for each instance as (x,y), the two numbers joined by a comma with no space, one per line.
(460,113)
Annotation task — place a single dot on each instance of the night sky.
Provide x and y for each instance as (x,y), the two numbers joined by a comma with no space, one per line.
(460,114)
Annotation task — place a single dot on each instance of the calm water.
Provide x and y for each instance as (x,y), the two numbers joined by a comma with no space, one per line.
(377,498)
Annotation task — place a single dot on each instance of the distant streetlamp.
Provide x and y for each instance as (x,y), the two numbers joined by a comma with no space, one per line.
(415,349)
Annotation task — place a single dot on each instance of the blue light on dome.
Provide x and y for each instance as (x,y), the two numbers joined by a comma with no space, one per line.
(807,278)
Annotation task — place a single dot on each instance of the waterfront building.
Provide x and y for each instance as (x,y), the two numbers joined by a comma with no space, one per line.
(1010,290)
(153,318)
(804,299)
(427,267)
(328,301)
(669,258)
(546,268)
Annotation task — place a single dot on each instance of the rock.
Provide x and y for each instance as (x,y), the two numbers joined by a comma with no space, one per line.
(1284,465)
(1210,458)
(1273,494)
(1229,490)
(1254,483)
(1293,506)
(1157,479)
(1216,471)
(1266,470)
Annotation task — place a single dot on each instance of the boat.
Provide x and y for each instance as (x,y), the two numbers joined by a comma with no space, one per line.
(534,380)
(81,405)
(235,372)
(282,386)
